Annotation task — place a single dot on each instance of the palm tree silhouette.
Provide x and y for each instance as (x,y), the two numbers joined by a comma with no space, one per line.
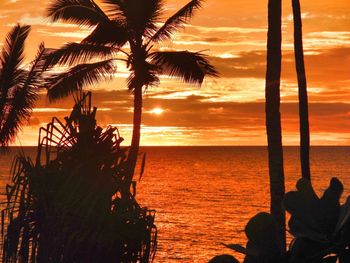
(134,26)
(302,90)
(273,118)
(18,86)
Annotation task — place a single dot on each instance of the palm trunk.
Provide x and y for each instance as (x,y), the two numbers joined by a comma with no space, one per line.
(136,134)
(273,118)
(302,90)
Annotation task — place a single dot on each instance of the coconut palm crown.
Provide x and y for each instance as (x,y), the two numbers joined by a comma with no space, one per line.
(123,30)
(19,84)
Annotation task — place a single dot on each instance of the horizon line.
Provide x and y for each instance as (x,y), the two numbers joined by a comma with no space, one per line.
(288,145)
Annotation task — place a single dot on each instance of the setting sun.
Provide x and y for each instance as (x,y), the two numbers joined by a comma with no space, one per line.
(236,46)
(175,131)
(156,111)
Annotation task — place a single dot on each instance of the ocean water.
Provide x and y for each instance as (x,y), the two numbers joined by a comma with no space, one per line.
(204,196)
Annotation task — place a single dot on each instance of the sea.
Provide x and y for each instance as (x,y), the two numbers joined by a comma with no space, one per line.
(204,196)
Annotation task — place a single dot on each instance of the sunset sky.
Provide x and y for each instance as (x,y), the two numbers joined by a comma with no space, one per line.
(224,111)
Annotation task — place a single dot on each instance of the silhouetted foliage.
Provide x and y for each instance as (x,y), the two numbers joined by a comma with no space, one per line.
(67,207)
(263,244)
(18,85)
(321,226)
(135,25)
(223,259)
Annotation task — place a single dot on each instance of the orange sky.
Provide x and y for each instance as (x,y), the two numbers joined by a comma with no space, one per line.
(228,110)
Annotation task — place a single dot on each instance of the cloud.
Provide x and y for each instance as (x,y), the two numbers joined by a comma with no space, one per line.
(73,35)
(327,69)
(187,117)
(229,30)
(228,110)
(44,21)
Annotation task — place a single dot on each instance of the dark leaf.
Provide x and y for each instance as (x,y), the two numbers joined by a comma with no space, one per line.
(261,228)
(344,215)
(344,256)
(224,259)
(11,58)
(237,248)
(304,205)
(304,250)
(82,12)
(139,16)
(262,244)
(73,53)
(190,67)
(176,21)
(330,206)
(331,259)
(111,32)
(146,75)
(61,85)
(20,101)
(300,230)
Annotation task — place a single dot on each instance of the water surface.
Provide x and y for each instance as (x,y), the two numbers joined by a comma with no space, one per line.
(205,195)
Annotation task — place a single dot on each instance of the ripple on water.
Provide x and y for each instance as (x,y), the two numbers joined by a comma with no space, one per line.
(204,196)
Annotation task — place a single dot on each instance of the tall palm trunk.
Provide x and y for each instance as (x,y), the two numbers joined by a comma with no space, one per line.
(136,134)
(273,118)
(302,90)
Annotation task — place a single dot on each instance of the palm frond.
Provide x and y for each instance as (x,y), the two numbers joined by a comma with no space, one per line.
(11,75)
(22,99)
(147,75)
(108,33)
(63,84)
(11,58)
(74,53)
(176,21)
(34,76)
(82,12)
(18,111)
(189,66)
(140,16)
(116,9)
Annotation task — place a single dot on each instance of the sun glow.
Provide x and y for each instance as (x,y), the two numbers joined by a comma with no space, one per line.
(156,111)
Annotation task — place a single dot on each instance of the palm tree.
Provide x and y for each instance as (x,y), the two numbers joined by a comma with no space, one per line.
(273,118)
(302,90)
(130,28)
(18,86)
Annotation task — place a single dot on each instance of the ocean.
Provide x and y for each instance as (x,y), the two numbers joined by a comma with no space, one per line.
(204,196)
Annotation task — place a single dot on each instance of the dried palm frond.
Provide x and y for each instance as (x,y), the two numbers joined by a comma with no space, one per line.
(66,207)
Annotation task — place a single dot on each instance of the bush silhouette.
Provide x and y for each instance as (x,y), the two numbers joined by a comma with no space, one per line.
(67,207)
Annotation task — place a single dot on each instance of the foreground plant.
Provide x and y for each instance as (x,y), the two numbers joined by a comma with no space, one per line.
(18,86)
(321,226)
(67,207)
(262,245)
(126,31)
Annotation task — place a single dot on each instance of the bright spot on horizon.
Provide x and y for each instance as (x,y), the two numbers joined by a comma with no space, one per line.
(156,111)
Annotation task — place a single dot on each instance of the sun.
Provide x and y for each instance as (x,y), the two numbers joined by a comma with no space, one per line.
(156,111)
